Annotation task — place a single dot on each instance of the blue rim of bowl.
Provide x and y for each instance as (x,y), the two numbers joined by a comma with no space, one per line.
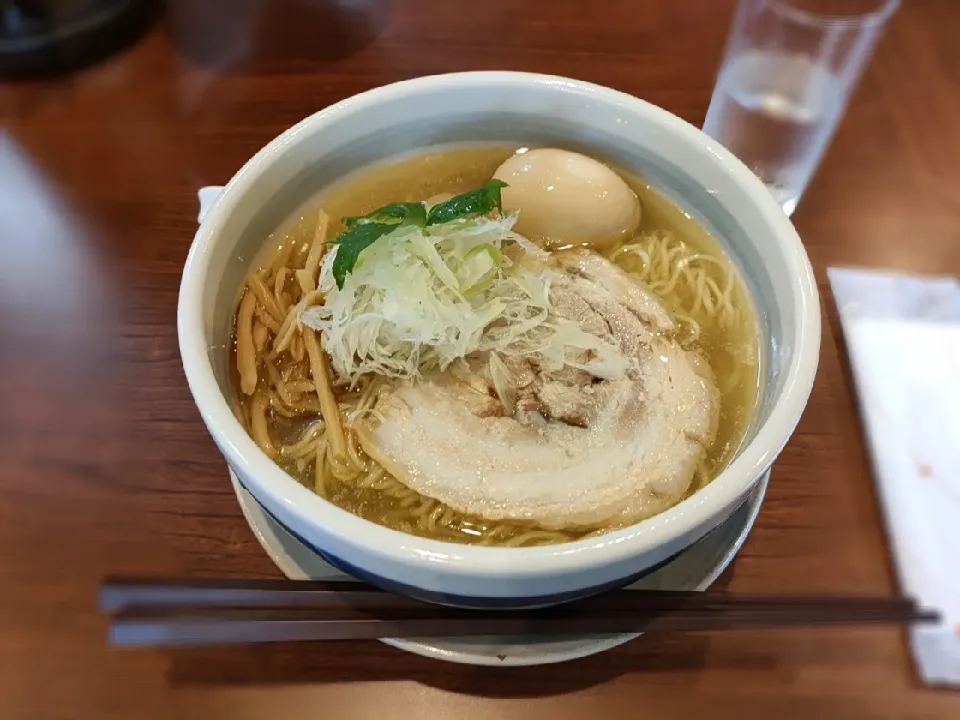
(543,651)
(478,603)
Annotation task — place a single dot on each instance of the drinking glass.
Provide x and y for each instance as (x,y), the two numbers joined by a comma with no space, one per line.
(786,75)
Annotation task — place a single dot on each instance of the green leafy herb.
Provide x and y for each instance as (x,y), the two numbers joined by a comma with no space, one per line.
(403,213)
(354,241)
(473,202)
(364,230)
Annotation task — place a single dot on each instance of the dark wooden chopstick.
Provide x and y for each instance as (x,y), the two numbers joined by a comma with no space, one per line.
(158,612)
(205,631)
(117,594)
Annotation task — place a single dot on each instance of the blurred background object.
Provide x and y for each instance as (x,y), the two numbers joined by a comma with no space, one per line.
(267,35)
(783,86)
(53,37)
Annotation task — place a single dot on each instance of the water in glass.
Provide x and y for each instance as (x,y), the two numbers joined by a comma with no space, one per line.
(776,112)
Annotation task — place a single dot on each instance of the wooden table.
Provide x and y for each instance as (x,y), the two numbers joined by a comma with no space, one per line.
(105,466)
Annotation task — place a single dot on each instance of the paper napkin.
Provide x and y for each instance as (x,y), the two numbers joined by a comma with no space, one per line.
(903,338)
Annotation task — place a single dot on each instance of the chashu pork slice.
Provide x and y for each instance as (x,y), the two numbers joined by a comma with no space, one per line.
(601,451)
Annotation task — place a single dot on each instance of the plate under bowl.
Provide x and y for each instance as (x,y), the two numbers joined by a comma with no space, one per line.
(695,568)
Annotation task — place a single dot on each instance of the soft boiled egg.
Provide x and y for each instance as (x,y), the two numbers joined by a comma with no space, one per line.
(565,198)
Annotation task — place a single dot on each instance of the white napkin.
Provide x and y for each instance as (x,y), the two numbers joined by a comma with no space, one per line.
(903,338)
(207,195)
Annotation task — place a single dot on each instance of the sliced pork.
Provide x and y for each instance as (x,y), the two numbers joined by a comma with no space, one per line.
(562,448)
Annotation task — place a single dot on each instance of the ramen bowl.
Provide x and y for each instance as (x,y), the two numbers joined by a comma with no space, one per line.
(685,165)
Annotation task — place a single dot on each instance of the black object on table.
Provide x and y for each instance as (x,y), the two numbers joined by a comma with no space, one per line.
(54,37)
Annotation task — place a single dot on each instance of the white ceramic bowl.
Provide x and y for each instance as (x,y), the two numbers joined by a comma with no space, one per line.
(700,175)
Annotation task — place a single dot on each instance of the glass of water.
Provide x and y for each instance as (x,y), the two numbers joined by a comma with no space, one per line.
(788,70)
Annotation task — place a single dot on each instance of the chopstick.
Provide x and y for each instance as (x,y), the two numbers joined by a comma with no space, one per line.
(200,612)
(117,594)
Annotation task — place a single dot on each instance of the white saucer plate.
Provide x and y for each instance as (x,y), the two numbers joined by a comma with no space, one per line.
(694,569)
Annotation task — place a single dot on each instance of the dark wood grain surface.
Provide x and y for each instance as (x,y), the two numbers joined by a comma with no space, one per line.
(105,466)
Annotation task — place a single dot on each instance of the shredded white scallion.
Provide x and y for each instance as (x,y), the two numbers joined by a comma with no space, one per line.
(420,298)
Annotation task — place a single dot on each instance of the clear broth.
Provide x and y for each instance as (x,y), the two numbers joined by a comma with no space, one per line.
(733,356)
